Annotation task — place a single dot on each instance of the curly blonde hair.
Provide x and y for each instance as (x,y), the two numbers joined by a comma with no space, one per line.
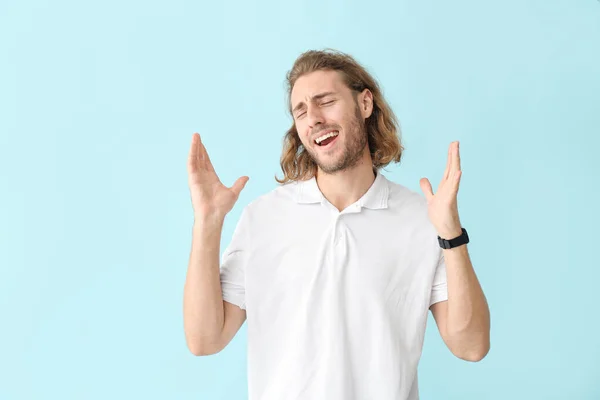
(383,130)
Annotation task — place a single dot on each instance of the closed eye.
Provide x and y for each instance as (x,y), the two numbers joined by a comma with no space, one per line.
(324,104)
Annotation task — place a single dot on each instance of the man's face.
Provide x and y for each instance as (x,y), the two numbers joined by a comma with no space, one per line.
(322,104)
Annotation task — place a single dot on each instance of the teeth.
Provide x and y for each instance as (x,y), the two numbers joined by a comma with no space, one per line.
(330,134)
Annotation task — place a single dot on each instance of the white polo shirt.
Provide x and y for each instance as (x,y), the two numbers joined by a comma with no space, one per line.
(336,302)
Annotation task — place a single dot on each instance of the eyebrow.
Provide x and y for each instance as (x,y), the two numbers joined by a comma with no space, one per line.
(315,97)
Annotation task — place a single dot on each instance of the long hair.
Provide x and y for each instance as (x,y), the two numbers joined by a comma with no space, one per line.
(383,130)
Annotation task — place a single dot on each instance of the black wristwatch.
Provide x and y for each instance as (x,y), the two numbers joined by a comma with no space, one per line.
(457,241)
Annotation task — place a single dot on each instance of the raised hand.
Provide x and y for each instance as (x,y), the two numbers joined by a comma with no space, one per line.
(442,206)
(210,198)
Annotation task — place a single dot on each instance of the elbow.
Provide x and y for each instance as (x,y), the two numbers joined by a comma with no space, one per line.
(474,356)
(202,348)
(469,347)
(200,351)
(472,344)
(474,353)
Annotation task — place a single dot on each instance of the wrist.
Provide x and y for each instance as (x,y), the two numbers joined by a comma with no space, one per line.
(453,240)
(208,220)
(455,250)
(450,234)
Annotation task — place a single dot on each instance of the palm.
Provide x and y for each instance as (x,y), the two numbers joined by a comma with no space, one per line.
(442,206)
(209,195)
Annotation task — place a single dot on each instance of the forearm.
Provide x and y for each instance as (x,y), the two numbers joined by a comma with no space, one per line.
(203,299)
(468,320)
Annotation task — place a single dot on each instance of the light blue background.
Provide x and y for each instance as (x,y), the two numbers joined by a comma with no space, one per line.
(98,103)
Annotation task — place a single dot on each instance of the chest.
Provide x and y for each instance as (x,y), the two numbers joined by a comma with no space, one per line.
(372,257)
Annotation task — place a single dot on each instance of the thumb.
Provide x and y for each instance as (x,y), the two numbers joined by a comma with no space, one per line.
(239,185)
(426,188)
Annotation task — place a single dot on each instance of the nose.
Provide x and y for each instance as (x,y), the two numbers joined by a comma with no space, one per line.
(314,116)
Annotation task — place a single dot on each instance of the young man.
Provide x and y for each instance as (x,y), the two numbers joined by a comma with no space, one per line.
(336,269)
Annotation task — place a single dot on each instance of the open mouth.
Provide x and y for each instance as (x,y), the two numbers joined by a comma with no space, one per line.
(327,139)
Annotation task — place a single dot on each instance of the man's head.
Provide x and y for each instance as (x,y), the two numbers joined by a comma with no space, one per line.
(329,93)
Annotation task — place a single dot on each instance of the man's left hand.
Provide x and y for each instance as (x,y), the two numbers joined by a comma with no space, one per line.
(442,206)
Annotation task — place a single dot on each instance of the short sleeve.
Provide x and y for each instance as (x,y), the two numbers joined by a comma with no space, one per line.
(233,264)
(439,290)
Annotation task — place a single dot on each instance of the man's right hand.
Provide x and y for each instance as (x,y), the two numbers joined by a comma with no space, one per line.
(210,198)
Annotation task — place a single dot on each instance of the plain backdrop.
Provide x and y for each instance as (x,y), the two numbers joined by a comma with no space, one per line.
(98,104)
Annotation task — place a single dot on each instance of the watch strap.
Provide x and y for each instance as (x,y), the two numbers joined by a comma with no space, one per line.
(457,241)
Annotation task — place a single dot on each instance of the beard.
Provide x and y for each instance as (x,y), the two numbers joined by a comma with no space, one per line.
(356,141)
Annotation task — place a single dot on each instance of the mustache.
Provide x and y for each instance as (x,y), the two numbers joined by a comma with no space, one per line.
(323,129)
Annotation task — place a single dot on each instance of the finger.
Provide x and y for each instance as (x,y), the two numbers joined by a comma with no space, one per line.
(426,188)
(457,156)
(448,162)
(206,159)
(456,181)
(200,150)
(239,185)
(203,158)
(193,153)
(454,161)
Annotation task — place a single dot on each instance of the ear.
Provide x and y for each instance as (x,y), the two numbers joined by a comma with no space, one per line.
(365,103)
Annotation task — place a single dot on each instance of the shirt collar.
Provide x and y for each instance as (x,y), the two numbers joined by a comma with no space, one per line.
(308,192)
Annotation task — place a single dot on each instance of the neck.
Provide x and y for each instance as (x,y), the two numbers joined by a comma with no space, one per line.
(344,188)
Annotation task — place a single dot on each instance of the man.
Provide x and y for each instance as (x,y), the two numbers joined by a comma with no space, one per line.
(336,269)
